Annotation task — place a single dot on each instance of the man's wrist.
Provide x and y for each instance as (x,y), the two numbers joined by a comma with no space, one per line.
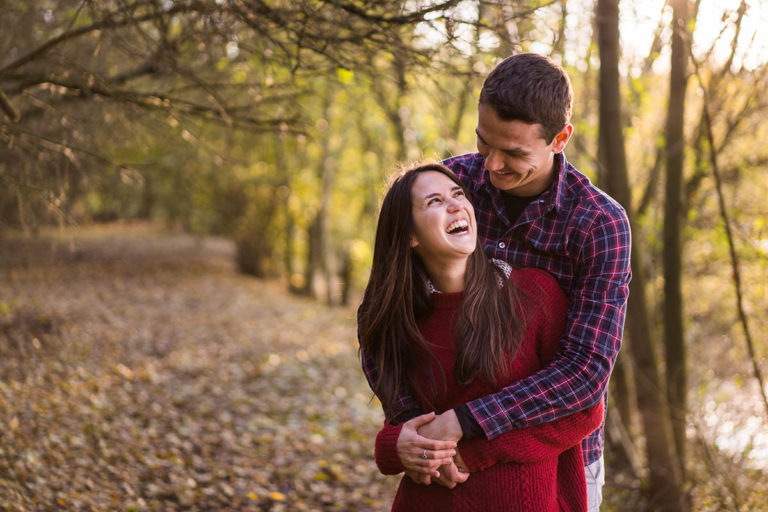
(469,426)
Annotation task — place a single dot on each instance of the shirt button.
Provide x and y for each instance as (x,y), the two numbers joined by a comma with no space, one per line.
(502,245)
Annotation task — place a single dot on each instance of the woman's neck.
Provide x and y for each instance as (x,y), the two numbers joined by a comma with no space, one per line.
(448,277)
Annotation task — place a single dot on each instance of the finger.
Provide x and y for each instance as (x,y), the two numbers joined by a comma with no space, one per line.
(439,454)
(425,466)
(426,472)
(445,482)
(433,444)
(442,456)
(452,473)
(421,420)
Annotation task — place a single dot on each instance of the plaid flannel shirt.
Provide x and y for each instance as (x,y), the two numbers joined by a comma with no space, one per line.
(582,237)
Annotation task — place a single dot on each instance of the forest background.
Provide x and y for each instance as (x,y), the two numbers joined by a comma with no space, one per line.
(273,125)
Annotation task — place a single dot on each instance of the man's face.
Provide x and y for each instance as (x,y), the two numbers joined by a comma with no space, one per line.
(518,160)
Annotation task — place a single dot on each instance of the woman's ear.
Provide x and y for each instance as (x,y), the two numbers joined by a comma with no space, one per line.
(414,242)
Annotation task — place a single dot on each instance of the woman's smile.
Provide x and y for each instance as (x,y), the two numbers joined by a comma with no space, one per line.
(444,227)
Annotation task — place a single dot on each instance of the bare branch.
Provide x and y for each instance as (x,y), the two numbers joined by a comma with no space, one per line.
(11,112)
(114,21)
(404,19)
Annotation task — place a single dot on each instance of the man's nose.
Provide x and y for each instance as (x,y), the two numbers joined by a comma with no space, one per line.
(494,162)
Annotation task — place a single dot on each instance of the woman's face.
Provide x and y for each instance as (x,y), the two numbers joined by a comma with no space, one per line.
(444,224)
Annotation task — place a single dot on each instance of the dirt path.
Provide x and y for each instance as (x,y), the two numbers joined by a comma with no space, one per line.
(139,371)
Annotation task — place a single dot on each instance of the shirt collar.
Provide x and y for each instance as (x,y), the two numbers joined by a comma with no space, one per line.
(556,193)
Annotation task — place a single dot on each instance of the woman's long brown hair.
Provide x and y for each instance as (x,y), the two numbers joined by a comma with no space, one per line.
(397,298)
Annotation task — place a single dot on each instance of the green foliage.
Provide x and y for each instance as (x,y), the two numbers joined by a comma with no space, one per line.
(220,122)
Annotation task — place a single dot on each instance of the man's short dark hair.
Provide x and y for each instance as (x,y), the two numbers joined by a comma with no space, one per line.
(531,88)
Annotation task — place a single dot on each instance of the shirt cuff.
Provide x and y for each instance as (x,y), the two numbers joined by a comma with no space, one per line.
(470,428)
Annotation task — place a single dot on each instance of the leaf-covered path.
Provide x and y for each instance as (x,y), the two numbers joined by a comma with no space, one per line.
(139,371)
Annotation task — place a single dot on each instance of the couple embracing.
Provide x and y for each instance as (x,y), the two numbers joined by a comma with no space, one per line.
(494,312)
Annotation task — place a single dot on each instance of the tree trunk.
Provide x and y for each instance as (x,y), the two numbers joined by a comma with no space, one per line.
(674,342)
(622,399)
(666,493)
(318,258)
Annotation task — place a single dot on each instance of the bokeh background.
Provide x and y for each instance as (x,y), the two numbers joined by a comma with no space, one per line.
(188,195)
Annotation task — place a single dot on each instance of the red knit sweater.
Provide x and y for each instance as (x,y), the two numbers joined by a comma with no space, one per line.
(535,469)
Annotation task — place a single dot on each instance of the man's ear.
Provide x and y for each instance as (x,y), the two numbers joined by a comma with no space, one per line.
(562,138)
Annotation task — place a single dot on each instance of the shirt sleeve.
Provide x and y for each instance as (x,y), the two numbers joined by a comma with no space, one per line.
(577,377)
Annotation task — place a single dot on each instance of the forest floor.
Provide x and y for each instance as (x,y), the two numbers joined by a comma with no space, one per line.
(140,371)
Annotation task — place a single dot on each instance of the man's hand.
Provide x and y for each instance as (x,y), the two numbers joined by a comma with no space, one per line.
(420,454)
(419,478)
(460,463)
(451,475)
(445,427)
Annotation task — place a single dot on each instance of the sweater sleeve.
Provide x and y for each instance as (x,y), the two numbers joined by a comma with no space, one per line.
(385,451)
(531,444)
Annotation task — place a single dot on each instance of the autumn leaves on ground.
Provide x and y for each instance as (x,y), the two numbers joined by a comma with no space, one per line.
(139,371)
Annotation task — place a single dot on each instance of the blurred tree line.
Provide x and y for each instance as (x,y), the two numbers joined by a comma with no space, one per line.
(275,123)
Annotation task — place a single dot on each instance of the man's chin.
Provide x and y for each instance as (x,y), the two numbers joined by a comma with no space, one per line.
(507,182)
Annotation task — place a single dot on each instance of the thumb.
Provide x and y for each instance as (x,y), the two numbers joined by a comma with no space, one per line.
(421,420)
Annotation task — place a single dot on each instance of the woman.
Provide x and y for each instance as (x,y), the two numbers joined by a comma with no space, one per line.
(440,320)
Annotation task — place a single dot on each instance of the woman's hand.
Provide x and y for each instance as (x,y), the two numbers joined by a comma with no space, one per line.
(422,455)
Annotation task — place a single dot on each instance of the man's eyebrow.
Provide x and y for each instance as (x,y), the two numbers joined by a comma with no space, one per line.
(517,152)
(514,152)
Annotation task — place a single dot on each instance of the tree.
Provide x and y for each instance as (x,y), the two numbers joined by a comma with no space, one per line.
(674,215)
(665,491)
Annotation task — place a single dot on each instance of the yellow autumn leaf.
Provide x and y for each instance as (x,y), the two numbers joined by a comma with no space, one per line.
(253,496)
(345,75)
(124,371)
(277,496)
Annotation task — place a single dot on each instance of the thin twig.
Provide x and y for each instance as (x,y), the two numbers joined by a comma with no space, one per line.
(731,246)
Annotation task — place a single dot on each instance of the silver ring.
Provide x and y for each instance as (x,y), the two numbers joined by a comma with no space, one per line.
(424,455)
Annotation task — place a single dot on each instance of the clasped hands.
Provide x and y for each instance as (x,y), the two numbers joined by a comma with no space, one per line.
(434,437)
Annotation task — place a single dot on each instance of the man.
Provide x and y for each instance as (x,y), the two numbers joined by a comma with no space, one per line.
(534,209)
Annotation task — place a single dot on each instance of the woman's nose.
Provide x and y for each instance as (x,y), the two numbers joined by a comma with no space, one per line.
(453,204)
